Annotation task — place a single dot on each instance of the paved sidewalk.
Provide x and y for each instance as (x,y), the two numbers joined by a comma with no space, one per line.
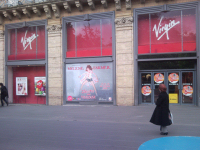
(38,127)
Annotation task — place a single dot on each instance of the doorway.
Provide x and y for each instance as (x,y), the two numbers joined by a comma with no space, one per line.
(180,86)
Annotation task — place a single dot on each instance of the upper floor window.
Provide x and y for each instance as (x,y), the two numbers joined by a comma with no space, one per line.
(89,38)
(167,32)
(26,43)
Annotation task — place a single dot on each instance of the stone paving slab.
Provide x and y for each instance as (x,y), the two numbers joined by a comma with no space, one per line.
(79,127)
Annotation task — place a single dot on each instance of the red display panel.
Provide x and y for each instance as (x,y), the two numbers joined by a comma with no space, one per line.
(143,34)
(12,44)
(30,73)
(89,38)
(167,32)
(26,40)
(41,42)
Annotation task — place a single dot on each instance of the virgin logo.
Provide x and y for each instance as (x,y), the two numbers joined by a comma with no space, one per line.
(39,83)
(27,41)
(160,31)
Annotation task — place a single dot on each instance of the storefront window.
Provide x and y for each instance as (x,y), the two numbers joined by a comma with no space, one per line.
(89,82)
(167,32)
(89,38)
(29,84)
(26,43)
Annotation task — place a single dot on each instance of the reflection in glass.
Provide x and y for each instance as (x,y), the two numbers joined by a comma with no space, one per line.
(158,79)
(71,48)
(189,30)
(187,89)
(173,82)
(106,37)
(88,38)
(146,87)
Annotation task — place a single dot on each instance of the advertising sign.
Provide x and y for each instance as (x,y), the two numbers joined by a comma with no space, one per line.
(158,77)
(173,78)
(173,98)
(40,86)
(187,90)
(21,86)
(146,90)
(89,82)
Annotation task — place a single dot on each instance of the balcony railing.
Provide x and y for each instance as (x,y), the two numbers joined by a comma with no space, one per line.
(13,3)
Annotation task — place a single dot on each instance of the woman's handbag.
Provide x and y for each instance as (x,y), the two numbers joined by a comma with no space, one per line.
(170,117)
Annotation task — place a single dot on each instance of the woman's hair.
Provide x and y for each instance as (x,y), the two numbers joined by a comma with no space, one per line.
(1,84)
(162,87)
(89,67)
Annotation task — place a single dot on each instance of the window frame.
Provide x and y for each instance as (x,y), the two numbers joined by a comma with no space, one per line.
(93,59)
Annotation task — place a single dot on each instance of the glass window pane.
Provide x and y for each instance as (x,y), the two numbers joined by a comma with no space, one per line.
(189,30)
(11,45)
(146,87)
(187,89)
(106,37)
(41,42)
(26,43)
(143,34)
(88,38)
(71,48)
(166,32)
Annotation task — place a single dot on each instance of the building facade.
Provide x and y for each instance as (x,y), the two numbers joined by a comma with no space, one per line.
(100,52)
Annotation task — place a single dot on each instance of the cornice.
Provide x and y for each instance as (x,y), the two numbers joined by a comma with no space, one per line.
(124,21)
(54,28)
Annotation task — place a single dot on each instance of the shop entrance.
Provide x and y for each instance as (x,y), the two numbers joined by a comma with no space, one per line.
(180,86)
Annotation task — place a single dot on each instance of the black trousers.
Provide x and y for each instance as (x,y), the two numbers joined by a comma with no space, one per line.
(3,99)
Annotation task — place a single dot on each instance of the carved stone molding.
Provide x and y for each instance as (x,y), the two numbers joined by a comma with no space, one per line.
(104,3)
(67,7)
(47,10)
(118,5)
(128,4)
(26,12)
(1,34)
(91,4)
(124,22)
(79,5)
(17,13)
(56,10)
(142,1)
(54,28)
(1,19)
(7,14)
(36,11)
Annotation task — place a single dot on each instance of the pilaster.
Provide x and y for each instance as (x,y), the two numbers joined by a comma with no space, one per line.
(124,61)
(2,58)
(55,84)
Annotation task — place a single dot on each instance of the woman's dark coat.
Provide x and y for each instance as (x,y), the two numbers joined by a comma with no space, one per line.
(161,113)
(4,92)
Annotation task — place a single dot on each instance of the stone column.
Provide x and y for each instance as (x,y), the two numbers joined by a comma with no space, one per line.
(124,61)
(55,84)
(2,57)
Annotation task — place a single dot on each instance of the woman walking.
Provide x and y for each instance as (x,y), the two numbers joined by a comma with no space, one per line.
(161,113)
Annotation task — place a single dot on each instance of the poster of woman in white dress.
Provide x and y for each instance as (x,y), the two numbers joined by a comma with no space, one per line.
(89,82)
(89,78)
(21,86)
